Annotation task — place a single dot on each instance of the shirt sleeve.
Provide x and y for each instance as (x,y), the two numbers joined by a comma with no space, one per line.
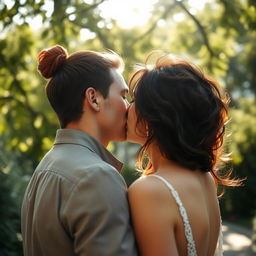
(96,215)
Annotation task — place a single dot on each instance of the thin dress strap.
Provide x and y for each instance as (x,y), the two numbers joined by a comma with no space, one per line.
(219,248)
(191,248)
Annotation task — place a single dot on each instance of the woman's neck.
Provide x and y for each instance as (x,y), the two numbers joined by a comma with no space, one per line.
(160,162)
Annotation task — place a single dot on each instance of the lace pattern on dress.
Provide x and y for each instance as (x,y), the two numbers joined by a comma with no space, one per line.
(191,248)
(219,249)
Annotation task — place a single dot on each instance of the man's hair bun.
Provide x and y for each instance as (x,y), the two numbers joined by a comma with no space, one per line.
(50,60)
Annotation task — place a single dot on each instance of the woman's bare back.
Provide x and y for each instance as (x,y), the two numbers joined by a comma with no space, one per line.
(197,193)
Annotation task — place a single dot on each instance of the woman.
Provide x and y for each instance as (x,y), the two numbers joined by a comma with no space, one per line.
(179,117)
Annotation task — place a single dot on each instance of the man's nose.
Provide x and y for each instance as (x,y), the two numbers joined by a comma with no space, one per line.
(127,104)
(127,110)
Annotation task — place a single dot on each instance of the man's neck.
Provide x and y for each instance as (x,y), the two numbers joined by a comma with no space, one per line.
(89,129)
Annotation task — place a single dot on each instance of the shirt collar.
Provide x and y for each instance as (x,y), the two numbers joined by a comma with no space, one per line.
(73,136)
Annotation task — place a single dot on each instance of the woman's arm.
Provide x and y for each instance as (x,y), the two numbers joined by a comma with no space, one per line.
(153,217)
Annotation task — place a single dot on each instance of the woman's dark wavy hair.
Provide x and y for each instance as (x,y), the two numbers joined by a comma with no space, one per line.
(185,115)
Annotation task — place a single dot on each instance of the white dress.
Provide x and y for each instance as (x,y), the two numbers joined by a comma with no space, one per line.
(191,248)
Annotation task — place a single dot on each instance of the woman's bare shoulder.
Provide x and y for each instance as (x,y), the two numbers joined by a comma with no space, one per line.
(152,194)
(146,185)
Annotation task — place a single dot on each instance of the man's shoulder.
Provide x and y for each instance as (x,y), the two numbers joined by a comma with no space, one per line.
(77,165)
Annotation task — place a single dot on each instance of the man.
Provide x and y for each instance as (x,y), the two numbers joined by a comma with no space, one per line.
(76,202)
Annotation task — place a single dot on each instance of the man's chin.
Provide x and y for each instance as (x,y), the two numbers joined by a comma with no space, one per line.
(121,138)
(128,138)
(135,140)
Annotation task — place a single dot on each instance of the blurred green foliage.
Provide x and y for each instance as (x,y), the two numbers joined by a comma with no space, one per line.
(14,176)
(239,202)
(220,38)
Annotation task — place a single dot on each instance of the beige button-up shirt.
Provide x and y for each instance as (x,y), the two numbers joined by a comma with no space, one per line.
(76,202)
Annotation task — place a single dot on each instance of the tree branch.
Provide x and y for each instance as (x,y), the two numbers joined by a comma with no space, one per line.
(84,10)
(154,24)
(101,37)
(199,26)
(34,114)
(6,98)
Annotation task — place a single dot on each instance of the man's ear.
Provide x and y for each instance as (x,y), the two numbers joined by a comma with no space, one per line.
(93,98)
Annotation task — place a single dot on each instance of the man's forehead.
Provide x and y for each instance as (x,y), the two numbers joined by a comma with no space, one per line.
(120,86)
(119,81)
